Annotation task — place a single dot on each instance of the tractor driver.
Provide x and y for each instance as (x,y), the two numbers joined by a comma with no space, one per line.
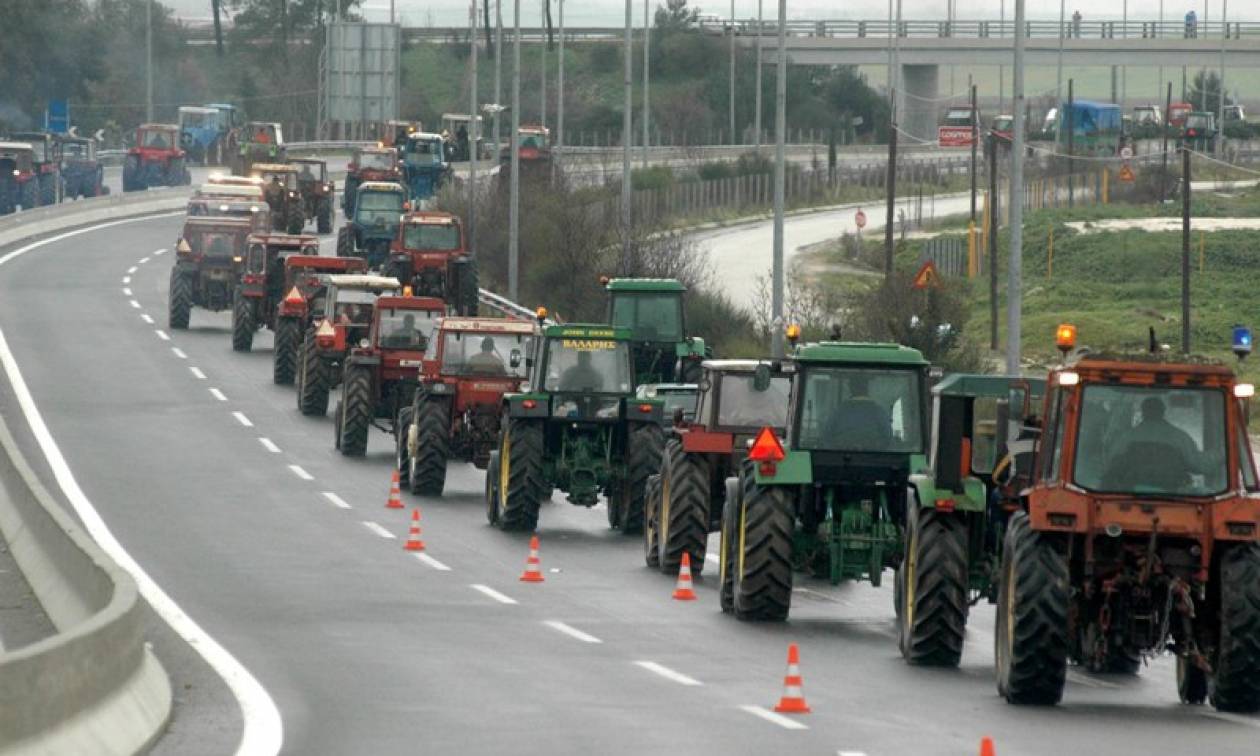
(860,420)
(1154,450)
(583,376)
(406,335)
(307,174)
(157,141)
(486,362)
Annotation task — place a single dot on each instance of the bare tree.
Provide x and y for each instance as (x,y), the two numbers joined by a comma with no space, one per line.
(485,7)
(551,36)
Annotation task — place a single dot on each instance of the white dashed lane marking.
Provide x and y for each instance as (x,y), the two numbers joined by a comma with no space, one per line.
(179,353)
(571,631)
(240,418)
(435,564)
(269,445)
(135,304)
(217,394)
(298,471)
(126,291)
(132,269)
(196,371)
(142,260)
(145,317)
(336,500)
(126,279)
(492,593)
(377,529)
(667,673)
(162,334)
(770,716)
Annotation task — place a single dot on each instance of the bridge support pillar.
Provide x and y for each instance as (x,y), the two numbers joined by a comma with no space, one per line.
(918,107)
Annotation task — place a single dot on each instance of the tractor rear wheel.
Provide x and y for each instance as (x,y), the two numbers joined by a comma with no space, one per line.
(763,552)
(433,448)
(357,405)
(48,189)
(468,289)
(932,605)
(1236,682)
(131,175)
(1192,682)
(284,355)
(6,195)
(242,322)
(684,508)
(402,461)
(651,522)
(727,545)
(520,475)
(30,195)
(296,221)
(324,217)
(179,300)
(174,173)
(647,441)
(1031,644)
(312,388)
(345,242)
(492,489)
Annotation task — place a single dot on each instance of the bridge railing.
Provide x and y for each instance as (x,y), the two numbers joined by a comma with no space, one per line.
(983,29)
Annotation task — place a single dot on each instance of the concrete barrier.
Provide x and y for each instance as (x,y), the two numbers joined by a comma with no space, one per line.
(26,224)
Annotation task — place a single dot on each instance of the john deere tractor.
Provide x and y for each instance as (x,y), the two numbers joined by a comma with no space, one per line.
(579,428)
(652,308)
(829,497)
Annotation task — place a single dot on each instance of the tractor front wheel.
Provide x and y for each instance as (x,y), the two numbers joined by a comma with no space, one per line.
(727,545)
(1236,682)
(345,242)
(312,384)
(763,552)
(433,448)
(520,475)
(1031,643)
(356,411)
(651,523)
(179,300)
(932,583)
(647,441)
(324,217)
(242,322)
(48,189)
(284,355)
(684,508)
(402,461)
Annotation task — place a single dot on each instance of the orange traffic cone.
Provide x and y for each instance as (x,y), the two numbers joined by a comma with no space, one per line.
(682,589)
(792,701)
(533,567)
(986,746)
(413,538)
(395,499)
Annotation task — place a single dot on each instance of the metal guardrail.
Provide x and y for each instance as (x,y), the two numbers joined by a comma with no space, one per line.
(977,29)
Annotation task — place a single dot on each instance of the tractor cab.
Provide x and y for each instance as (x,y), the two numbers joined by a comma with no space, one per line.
(316,190)
(349,303)
(198,130)
(312,175)
(280,188)
(258,142)
(265,256)
(534,143)
(396,132)
(425,164)
(679,400)
(76,150)
(45,150)
(305,281)
(276,173)
(453,124)
(157,137)
(256,212)
(369,164)
(19,184)
(404,324)
(652,309)
(429,253)
(480,348)
(574,359)
(156,159)
(372,228)
(17,160)
(218,242)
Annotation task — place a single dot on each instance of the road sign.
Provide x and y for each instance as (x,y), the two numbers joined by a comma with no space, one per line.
(57,117)
(859,219)
(1126,174)
(1126,152)
(927,277)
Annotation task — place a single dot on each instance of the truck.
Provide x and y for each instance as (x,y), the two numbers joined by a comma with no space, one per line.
(258,294)
(156,159)
(372,227)
(209,257)
(304,292)
(430,255)
(654,312)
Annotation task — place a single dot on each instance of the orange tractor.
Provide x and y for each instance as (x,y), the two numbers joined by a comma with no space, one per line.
(431,255)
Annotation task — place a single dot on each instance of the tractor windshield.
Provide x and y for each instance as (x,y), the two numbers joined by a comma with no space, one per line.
(157,139)
(311,171)
(379,208)
(423,152)
(376,161)
(484,354)
(39,151)
(651,316)
(588,365)
(437,236)
(216,244)
(191,119)
(75,151)
(1157,441)
(958,117)
(286,179)
(742,405)
(861,410)
(406,329)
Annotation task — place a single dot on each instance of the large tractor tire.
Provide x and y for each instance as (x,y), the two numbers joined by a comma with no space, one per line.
(1031,645)
(29,195)
(7,204)
(357,410)
(763,552)
(284,356)
(433,448)
(174,173)
(932,589)
(651,525)
(131,175)
(324,217)
(48,189)
(520,475)
(179,300)
(647,442)
(492,489)
(469,290)
(727,544)
(296,221)
(684,509)
(1192,682)
(242,323)
(345,241)
(402,460)
(312,385)
(1236,684)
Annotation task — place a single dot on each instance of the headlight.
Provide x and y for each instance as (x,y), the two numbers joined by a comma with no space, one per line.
(17,172)
(364,343)
(439,388)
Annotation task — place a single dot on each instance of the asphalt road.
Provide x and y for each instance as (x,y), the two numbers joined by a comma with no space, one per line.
(189,452)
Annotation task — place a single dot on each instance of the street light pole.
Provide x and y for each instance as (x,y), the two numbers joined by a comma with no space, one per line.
(560,97)
(148,61)
(626,135)
(646,113)
(757,115)
(543,87)
(1015,266)
(1220,107)
(732,93)
(780,161)
(498,70)
(514,207)
(1058,78)
(1002,69)
(472,129)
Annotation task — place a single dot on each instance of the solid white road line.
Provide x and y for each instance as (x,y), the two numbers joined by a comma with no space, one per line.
(571,631)
(135,304)
(435,564)
(240,418)
(196,371)
(132,269)
(336,500)
(377,529)
(146,318)
(668,673)
(163,335)
(142,260)
(263,731)
(269,445)
(126,291)
(298,471)
(217,394)
(492,593)
(179,353)
(779,719)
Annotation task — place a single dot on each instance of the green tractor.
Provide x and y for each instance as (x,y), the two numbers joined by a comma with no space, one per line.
(652,308)
(957,507)
(829,499)
(577,427)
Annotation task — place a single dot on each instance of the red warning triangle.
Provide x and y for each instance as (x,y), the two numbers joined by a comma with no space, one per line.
(1126,173)
(927,277)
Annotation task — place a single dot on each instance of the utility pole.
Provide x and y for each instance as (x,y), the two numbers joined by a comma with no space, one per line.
(1014,293)
(1058,76)
(890,180)
(732,93)
(761,27)
(647,117)
(992,153)
(148,61)
(498,70)
(560,99)
(543,87)
(1069,118)
(626,135)
(1163,175)
(1124,70)
(975,141)
(1220,107)
(780,161)
(472,128)
(1185,248)
(1002,69)
(1159,31)
(514,208)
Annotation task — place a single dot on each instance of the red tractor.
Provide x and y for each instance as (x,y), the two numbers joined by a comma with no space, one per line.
(369,164)
(305,289)
(19,183)
(381,371)
(254,303)
(455,413)
(47,163)
(430,255)
(209,257)
(156,159)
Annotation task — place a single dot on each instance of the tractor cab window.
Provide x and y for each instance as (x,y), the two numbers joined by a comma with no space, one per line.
(76,151)
(1246,464)
(1157,441)
(353,309)
(286,179)
(742,405)
(435,236)
(984,434)
(423,152)
(406,329)
(587,365)
(218,245)
(312,172)
(376,161)
(860,409)
(488,354)
(650,316)
(156,139)
(39,151)
(197,120)
(256,259)
(532,141)
(958,117)
(378,208)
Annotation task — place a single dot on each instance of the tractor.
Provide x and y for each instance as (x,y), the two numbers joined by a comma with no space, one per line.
(1138,532)
(373,225)
(828,498)
(304,292)
(455,413)
(430,255)
(678,399)
(454,124)
(46,163)
(957,508)
(653,310)
(258,142)
(424,165)
(257,296)
(317,192)
(19,184)
(280,189)
(534,143)
(684,504)
(343,318)
(200,132)
(209,256)
(395,133)
(156,159)
(82,174)
(578,428)
(256,211)
(381,372)
(369,164)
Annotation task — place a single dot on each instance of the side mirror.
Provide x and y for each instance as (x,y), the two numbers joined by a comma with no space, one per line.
(761,377)
(514,359)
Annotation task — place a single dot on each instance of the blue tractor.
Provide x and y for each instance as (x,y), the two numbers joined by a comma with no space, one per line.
(425,168)
(204,131)
(373,225)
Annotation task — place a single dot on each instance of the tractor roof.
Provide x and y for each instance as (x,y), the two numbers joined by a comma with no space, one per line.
(425,217)
(273,168)
(991,386)
(426,135)
(160,126)
(487,325)
(426,304)
(860,353)
(318,263)
(232,223)
(363,281)
(256,124)
(235,191)
(375,150)
(1163,369)
(653,389)
(734,366)
(195,109)
(227,180)
(22,146)
(284,240)
(587,331)
(308,161)
(380,186)
(645,284)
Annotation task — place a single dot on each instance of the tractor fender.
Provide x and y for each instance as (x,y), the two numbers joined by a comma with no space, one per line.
(185,267)
(515,406)
(922,490)
(645,411)
(363,360)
